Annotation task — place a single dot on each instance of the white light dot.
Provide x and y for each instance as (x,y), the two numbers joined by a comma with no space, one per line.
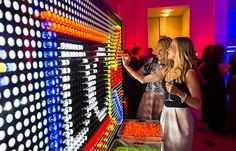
(31,21)
(12,54)
(18,126)
(1,27)
(37,23)
(22,77)
(9,29)
(42,84)
(30,10)
(18,30)
(9,118)
(35,65)
(28,65)
(11,142)
(20,137)
(32,108)
(1,14)
(3,146)
(35,138)
(8,16)
(11,42)
(20,54)
(33,43)
(36,75)
(15,91)
(33,129)
(45,122)
(34,54)
(1,122)
(40,125)
(27,131)
(8,106)
(7,3)
(26,43)
(39,44)
(30,87)
(27,54)
(43,103)
(31,96)
(38,106)
(16,103)
(18,114)
(7,93)
(21,147)
(29,76)
(41,66)
(41,144)
(36,85)
(16,5)
(2,135)
(23,89)
(10,130)
(40,135)
(21,66)
(23,8)
(19,42)
(25,111)
(38,33)
(25,31)
(24,20)
(33,118)
(37,96)
(3,41)
(28,143)
(39,115)
(24,100)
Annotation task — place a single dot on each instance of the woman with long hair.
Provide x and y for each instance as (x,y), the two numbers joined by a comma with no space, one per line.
(152,101)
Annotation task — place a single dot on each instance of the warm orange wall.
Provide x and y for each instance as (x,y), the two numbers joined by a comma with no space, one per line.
(186,23)
(205,20)
(153,33)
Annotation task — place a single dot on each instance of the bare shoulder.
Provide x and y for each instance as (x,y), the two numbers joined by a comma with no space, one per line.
(191,75)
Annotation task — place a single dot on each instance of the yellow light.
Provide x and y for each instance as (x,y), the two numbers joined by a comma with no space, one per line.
(165,15)
(3,67)
(166,11)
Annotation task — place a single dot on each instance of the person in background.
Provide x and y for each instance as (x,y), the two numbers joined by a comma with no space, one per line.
(231,86)
(216,89)
(203,76)
(133,88)
(152,100)
(232,69)
(145,58)
(181,91)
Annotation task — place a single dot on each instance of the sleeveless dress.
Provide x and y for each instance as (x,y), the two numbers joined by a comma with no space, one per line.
(151,103)
(176,121)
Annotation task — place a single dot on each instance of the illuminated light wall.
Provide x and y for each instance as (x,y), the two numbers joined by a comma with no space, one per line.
(60,75)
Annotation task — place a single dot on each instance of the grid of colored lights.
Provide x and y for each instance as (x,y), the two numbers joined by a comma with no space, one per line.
(55,67)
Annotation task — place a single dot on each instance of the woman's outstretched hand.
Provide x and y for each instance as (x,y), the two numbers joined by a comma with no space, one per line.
(125,60)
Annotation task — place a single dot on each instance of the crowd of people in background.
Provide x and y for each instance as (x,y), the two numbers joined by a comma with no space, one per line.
(176,80)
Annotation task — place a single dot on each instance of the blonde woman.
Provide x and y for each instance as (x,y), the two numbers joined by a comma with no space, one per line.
(181,90)
(152,100)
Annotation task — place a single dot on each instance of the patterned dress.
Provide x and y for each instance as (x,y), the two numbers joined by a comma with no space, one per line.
(151,103)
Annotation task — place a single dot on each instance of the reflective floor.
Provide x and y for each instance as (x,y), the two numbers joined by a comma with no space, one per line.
(206,140)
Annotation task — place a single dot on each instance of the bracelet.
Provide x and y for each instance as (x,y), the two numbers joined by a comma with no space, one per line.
(184,98)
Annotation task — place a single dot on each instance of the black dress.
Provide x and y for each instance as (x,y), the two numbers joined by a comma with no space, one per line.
(217,98)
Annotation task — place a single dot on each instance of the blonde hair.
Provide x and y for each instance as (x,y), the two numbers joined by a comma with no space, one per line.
(184,58)
(165,43)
